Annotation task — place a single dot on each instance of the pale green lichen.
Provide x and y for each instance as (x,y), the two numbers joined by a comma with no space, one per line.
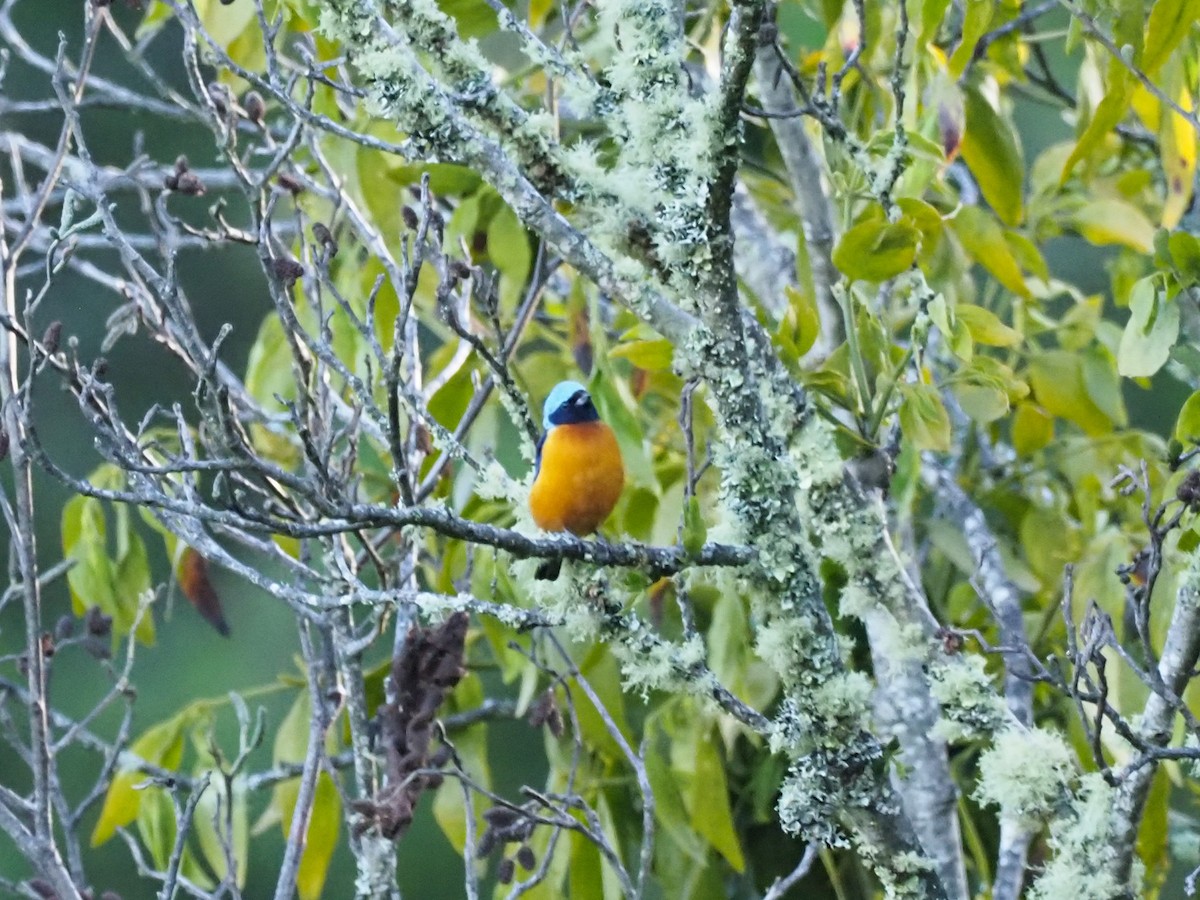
(657,665)
(1027,773)
(971,709)
(1083,862)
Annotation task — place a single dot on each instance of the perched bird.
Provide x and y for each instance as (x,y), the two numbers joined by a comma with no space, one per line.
(579,474)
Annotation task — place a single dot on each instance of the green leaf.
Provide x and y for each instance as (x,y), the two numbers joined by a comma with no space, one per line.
(213,805)
(983,238)
(653,356)
(975,22)
(985,326)
(983,403)
(708,801)
(1187,425)
(802,320)
(1032,429)
(1056,377)
(1169,23)
(320,840)
(160,745)
(1112,221)
(586,879)
(156,825)
(1150,333)
(474,18)
(1184,251)
(923,417)
(876,250)
(1102,383)
(1109,113)
(991,151)
(508,249)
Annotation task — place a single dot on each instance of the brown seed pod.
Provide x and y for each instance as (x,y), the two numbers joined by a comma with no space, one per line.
(526,857)
(324,237)
(51,337)
(189,183)
(287,270)
(254,106)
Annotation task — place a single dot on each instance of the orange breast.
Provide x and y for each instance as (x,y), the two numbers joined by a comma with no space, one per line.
(580,480)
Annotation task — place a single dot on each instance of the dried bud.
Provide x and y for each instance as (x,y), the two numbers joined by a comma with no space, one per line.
(554,722)
(64,627)
(181,164)
(487,843)
(286,269)
(23,665)
(98,624)
(324,237)
(47,642)
(1188,491)
(42,888)
(219,95)
(171,182)
(51,337)
(505,871)
(290,183)
(410,218)
(189,183)
(433,781)
(501,816)
(3,444)
(100,367)
(526,858)
(424,439)
(459,270)
(253,104)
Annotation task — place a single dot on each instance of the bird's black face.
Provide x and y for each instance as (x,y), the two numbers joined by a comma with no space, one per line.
(578,408)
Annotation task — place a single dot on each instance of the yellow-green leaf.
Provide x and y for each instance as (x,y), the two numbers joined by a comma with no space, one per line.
(320,840)
(161,745)
(1113,221)
(876,250)
(1187,425)
(1032,429)
(694,531)
(1109,112)
(993,154)
(708,802)
(1177,149)
(654,356)
(985,326)
(802,318)
(1056,377)
(1150,333)
(923,417)
(983,238)
(1168,24)
(975,22)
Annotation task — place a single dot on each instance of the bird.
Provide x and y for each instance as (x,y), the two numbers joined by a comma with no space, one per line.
(578,474)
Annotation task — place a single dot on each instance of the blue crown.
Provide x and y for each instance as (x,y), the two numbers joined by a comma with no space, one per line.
(568,402)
